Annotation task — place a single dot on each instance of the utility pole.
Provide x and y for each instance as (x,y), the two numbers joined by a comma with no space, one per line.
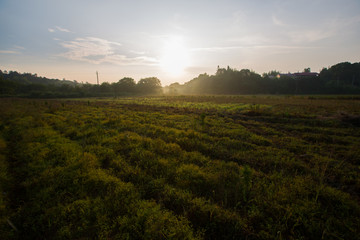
(97,77)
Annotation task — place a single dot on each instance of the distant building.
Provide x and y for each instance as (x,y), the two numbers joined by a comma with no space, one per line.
(298,75)
(285,75)
(306,74)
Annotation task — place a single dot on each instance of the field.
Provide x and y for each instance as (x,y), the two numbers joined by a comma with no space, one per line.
(181,167)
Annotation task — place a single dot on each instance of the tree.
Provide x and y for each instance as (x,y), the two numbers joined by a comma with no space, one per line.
(342,74)
(151,85)
(124,86)
(271,74)
(105,87)
(220,71)
(174,88)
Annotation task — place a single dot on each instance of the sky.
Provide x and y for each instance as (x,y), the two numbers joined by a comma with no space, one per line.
(174,40)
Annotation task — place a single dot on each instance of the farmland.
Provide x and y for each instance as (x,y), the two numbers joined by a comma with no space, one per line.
(181,167)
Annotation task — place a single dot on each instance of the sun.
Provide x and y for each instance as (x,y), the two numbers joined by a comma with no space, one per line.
(175,57)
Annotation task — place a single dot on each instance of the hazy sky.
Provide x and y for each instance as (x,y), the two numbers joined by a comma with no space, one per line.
(174,40)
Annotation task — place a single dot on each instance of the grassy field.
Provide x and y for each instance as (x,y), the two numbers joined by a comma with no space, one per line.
(182,167)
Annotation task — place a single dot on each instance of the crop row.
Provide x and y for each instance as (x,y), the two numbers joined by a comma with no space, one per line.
(143,170)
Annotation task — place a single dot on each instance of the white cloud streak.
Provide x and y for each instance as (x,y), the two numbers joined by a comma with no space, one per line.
(19,47)
(302,36)
(217,49)
(8,52)
(62,29)
(96,51)
(58,29)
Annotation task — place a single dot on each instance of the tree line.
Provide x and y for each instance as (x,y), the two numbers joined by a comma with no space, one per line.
(30,85)
(342,78)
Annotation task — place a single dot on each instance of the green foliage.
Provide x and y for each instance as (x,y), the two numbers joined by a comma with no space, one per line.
(150,85)
(7,229)
(246,174)
(181,167)
(30,85)
(342,78)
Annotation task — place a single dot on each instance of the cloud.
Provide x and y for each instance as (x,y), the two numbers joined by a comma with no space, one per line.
(328,28)
(97,51)
(310,35)
(249,40)
(276,21)
(258,46)
(14,50)
(137,52)
(216,49)
(19,47)
(58,29)
(8,52)
(62,29)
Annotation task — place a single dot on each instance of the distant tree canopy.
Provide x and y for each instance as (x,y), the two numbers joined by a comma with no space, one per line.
(30,85)
(151,85)
(342,75)
(342,78)
(126,84)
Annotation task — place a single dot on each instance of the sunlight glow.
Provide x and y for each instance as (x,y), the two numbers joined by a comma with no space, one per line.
(175,56)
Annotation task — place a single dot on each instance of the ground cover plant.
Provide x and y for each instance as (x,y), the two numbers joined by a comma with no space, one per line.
(181,167)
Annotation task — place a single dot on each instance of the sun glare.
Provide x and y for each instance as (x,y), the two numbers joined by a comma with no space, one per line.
(175,57)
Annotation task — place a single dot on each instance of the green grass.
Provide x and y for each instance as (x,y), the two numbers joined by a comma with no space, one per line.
(182,167)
